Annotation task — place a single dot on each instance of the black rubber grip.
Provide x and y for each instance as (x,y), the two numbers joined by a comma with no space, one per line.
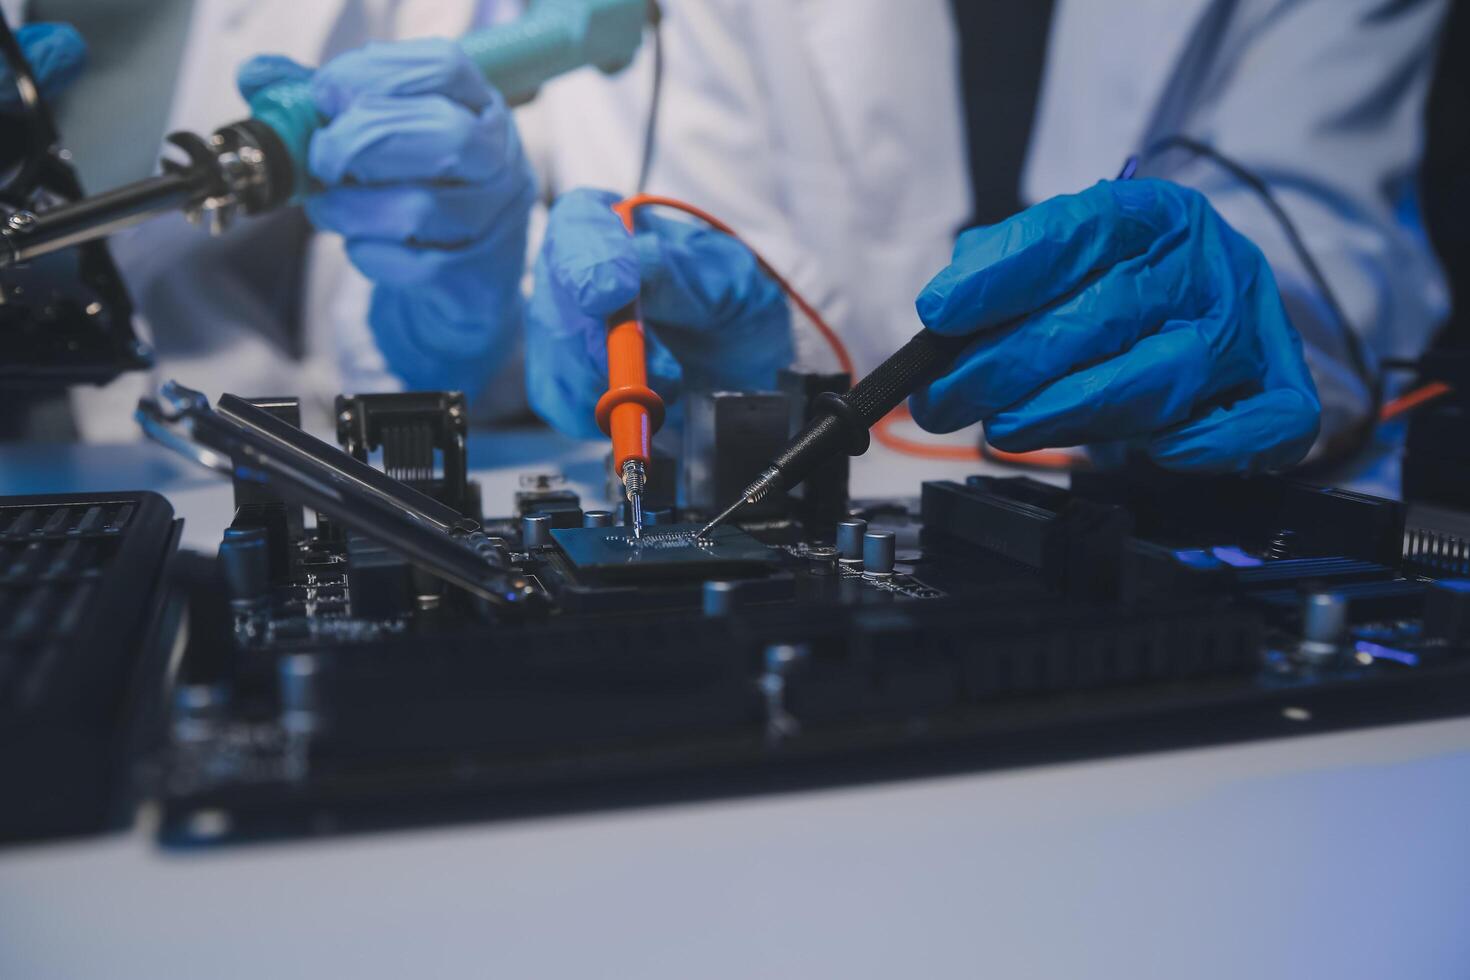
(843,421)
(824,437)
(915,363)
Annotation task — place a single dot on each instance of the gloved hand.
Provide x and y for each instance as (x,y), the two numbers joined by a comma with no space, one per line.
(57,56)
(422,172)
(1130,311)
(713,319)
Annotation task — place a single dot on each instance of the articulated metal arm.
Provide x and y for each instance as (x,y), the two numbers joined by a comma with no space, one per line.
(249,443)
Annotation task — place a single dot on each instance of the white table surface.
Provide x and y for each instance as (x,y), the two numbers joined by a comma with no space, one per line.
(1319,856)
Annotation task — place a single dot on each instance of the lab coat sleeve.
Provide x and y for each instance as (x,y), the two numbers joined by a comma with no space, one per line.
(1324,101)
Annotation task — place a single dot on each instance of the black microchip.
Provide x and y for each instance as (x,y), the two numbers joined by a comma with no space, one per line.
(663,550)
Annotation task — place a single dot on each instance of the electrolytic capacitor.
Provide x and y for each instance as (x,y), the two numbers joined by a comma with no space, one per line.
(850,539)
(1324,628)
(535,531)
(597,518)
(297,677)
(878,553)
(245,562)
(719,598)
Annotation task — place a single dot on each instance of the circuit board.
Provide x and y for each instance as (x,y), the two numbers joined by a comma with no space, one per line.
(331,679)
(1017,621)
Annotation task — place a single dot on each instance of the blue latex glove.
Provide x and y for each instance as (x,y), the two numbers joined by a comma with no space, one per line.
(713,319)
(1130,311)
(422,172)
(57,56)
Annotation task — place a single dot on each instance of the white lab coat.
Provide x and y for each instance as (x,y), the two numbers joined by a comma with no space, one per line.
(829,133)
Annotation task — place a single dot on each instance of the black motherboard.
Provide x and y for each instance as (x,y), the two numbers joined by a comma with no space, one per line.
(333,681)
(367,649)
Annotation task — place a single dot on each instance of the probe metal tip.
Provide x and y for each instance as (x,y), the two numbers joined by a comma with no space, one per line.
(634,478)
(724,516)
(753,494)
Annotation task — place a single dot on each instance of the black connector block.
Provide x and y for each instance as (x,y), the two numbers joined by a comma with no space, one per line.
(252,498)
(1436,453)
(422,438)
(379,582)
(822,499)
(1447,612)
(1251,513)
(544,493)
(272,517)
(729,438)
(82,647)
(1076,545)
